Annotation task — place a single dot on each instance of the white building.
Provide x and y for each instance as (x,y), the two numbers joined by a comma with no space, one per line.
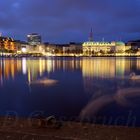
(120,47)
(91,48)
(94,48)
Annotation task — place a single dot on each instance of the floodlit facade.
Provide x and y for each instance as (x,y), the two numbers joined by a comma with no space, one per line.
(7,44)
(98,48)
(120,47)
(38,49)
(91,48)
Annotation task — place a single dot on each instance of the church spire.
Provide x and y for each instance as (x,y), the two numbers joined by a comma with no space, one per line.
(91,36)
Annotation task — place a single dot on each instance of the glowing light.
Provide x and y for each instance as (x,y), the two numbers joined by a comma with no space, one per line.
(24,50)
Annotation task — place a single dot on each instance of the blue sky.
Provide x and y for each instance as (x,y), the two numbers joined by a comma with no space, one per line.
(62,21)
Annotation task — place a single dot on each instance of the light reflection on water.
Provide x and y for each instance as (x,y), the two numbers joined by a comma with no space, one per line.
(92,68)
(108,68)
(87,86)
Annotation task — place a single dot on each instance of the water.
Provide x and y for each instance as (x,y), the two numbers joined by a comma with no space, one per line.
(98,90)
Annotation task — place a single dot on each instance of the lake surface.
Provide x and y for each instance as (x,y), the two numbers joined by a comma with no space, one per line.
(97,90)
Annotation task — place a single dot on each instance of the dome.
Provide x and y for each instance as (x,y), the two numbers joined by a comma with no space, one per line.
(120,43)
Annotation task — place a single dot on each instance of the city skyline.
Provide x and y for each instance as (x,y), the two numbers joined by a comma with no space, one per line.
(70,69)
(64,21)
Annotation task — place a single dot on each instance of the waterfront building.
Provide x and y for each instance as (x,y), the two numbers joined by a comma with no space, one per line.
(71,48)
(51,49)
(91,47)
(120,47)
(34,39)
(134,44)
(76,48)
(101,48)
(38,49)
(7,44)
(21,45)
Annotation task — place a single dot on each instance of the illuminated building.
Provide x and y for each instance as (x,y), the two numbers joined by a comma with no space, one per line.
(94,48)
(21,45)
(91,47)
(38,49)
(34,39)
(7,44)
(71,48)
(25,48)
(51,48)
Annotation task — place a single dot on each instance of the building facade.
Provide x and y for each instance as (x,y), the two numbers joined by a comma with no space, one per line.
(34,39)
(120,47)
(63,49)
(134,44)
(7,44)
(103,48)
(92,48)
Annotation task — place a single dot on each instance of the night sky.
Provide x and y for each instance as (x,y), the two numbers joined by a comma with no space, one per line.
(62,21)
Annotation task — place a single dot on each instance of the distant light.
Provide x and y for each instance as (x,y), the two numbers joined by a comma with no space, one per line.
(24,50)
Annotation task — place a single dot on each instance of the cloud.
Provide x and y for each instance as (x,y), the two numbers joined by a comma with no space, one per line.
(66,20)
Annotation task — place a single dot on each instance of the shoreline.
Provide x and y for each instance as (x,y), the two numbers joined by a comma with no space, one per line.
(31,129)
(132,56)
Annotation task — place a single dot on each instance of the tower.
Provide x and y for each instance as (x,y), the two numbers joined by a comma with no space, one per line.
(34,39)
(91,36)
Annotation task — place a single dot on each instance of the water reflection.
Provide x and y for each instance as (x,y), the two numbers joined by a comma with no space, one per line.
(93,83)
(105,67)
(110,81)
(9,69)
(122,97)
(44,81)
(34,68)
(92,68)
(24,66)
